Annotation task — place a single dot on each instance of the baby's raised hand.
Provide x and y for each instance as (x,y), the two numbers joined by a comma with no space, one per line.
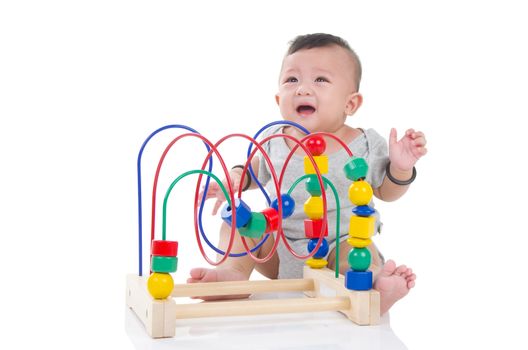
(214,190)
(404,153)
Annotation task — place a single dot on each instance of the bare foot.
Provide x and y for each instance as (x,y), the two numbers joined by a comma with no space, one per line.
(393,283)
(203,275)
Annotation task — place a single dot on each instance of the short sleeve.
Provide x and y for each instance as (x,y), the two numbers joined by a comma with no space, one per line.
(378,157)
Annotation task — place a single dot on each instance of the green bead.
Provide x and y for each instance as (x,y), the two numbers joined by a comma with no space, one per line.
(356,168)
(256,226)
(165,264)
(312,186)
(359,259)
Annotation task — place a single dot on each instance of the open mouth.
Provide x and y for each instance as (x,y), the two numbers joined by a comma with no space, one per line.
(305,110)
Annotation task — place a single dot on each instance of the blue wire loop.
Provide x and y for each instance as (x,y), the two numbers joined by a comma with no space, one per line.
(206,187)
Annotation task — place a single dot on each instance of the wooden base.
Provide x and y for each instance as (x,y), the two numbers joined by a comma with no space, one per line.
(326,293)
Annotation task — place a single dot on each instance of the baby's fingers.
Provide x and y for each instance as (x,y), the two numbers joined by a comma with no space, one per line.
(217,206)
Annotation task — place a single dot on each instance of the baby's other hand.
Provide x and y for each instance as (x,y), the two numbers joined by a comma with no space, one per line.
(404,153)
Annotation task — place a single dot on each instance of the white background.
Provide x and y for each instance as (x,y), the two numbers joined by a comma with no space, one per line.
(82,83)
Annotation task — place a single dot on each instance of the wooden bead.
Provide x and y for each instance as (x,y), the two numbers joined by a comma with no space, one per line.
(164,248)
(243,213)
(363,210)
(355,280)
(322,164)
(316,145)
(316,263)
(359,259)
(272,219)
(356,168)
(361,227)
(312,228)
(164,264)
(160,285)
(323,248)
(288,205)
(313,207)
(256,226)
(360,193)
(359,242)
(313,187)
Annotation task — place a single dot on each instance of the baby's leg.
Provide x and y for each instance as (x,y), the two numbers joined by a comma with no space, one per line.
(237,268)
(392,282)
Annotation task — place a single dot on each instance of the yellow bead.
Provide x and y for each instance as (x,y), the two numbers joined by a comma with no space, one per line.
(361,227)
(360,193)
(160,285)
(322,164)
(313,207)
(316,263)
(359,242)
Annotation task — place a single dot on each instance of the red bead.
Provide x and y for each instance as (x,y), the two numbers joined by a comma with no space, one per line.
(316,145)
(312,228)
(164,248)
(272,219)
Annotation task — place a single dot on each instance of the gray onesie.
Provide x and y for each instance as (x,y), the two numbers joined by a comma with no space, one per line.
(369,145)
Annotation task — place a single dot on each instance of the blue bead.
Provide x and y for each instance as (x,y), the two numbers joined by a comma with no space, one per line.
(323,249)
(243,213)
(355,280)
(288,205)
(363,210)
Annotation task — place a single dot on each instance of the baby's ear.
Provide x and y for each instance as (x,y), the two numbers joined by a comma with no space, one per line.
(353,103)
(277,99)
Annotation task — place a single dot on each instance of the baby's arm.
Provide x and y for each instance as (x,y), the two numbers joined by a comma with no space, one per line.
(403,155)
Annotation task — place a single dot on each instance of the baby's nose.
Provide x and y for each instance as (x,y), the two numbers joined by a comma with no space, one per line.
(303,90)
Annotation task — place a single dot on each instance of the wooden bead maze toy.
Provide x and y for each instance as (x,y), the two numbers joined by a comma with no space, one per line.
(152,298)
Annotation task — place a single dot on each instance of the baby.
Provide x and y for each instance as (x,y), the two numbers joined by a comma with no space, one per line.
(318,89)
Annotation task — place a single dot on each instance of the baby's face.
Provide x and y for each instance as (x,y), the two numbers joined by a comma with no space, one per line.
(315,86)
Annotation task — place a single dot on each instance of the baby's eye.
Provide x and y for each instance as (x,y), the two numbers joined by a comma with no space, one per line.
(291,80)
(321,79)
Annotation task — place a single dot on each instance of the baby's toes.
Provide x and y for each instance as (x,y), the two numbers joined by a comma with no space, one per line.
(401,270)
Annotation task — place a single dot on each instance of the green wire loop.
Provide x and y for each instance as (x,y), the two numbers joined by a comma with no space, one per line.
(338,214)
(226,194)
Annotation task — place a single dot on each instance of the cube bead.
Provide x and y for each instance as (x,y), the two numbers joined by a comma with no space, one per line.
(361,227)
(243,213)
(313,208)
(356,168)
(322,164)
(360,193)
(312,228)
(358,280)
(256,226)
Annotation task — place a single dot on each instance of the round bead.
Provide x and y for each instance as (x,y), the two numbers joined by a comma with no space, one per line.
(164,264)
(313,187)
(359,242)
(272,219)
(256,226)
(356,168)
(359,259)
(160,285)
(243,213)
(316,263)
(323,249)
(164,248)
(363,210)
(288,205)
(360,193)
(316,145)
(355,280)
